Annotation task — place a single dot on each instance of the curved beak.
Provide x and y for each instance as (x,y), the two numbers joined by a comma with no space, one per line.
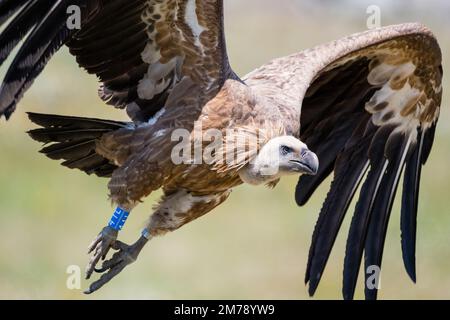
(308,163)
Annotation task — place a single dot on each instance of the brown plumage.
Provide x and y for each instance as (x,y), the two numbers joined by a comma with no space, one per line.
(366,103)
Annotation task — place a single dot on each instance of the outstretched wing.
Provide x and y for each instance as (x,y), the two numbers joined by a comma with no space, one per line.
(369,107)
(139,49)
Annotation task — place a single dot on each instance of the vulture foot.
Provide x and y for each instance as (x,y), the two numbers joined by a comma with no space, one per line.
(125,256)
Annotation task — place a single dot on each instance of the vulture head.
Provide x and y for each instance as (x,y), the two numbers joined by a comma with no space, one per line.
(280,156)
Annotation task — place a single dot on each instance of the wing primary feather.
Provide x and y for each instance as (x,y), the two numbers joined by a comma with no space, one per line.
(35,71)
(307,185)
(9,7)
(358,229)
(350,168)
(330,220)
(44,40)
(327,152)
(428,142)
(361,217)
(25,20)
(354,141)
(397,148)
(410,199)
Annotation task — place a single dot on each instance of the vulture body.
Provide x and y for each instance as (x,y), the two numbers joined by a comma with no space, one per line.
(365,107)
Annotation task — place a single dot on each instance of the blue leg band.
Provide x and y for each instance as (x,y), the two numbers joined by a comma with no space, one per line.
(118,219)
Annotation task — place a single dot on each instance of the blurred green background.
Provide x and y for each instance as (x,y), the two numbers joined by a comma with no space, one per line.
(254,246)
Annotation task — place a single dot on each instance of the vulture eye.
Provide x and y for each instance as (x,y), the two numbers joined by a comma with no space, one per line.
(286,150)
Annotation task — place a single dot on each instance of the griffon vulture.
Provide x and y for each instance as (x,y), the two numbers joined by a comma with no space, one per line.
(365,107)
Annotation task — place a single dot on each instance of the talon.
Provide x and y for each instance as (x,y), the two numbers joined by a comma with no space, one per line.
(112,267)
(100,246)
(107,266)
(106,277)
(101,270)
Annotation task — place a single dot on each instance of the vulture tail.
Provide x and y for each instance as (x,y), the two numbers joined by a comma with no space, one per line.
(73,140)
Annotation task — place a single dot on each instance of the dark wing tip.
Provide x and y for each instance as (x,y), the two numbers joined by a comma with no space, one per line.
(40,28)
(313,288)
(7,113)
(410,198)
